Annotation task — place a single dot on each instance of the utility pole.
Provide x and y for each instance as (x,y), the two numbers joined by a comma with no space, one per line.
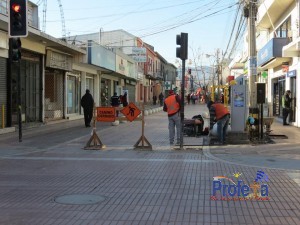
(218,74)
(250,12)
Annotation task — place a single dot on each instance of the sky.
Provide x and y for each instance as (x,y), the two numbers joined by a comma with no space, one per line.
(157,22)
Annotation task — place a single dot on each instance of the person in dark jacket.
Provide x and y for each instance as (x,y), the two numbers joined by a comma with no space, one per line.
(115,102)
(286,106)
(124,100)
(87,103)
(161,99)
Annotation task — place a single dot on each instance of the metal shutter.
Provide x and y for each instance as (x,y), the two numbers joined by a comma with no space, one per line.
(3,89)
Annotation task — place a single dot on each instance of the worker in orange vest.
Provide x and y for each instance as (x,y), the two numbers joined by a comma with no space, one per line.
(221,115)
(172,107)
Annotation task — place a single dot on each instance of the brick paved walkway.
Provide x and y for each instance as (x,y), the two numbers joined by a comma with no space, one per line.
(140,187)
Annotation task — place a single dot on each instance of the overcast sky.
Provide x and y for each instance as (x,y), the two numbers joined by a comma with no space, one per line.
(207,22)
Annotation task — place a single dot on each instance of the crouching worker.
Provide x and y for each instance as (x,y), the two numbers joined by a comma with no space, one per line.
(219,114)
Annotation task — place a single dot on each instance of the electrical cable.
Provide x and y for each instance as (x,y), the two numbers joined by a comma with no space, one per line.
(232,30)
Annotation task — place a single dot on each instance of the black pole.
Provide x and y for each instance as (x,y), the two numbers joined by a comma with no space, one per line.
(182,103)
(17,64)
(261,122)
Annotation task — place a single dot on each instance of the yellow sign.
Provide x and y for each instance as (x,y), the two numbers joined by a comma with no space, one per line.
(131,111)
(106,114)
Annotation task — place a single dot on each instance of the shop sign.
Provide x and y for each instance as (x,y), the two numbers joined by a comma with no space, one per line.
(271,50)
(139,50)
(58,61)
(291,73)
(139,58)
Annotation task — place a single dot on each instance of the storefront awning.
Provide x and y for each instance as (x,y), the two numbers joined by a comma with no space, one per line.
(274,63)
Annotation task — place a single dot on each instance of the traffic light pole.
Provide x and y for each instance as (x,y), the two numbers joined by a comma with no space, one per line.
(15,59)
(182,53)
(182,104)
(18,67)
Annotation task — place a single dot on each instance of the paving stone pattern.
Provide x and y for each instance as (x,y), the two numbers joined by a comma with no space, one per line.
(170,187)
(163,186)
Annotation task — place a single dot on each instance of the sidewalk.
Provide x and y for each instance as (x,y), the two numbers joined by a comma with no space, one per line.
(281,154)
(51,180)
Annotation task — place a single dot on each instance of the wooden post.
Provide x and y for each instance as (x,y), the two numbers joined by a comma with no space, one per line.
(143,139)
(94,142)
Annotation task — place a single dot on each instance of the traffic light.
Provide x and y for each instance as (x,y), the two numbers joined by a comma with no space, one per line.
(17,18)
(182,51)
(15,49)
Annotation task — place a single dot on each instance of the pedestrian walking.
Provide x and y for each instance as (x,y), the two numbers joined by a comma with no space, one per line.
(87,103)
(115,102)
(219,114)
(161,99)
(172,107)
(154,98)
(286,106)
(188,98)
(124,100)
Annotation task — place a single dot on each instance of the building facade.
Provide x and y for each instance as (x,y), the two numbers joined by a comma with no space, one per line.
(278,55)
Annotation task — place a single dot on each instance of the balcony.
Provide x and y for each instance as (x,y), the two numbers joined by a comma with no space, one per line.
(272,10)
(158,75)
(271,55)
(292,49)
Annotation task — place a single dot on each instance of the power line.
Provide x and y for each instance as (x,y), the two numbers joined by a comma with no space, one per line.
(188,22)
(126,13)
(232,30)
(191,19)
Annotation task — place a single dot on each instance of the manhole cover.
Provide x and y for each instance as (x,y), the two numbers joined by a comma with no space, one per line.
(79,199)
(271,160)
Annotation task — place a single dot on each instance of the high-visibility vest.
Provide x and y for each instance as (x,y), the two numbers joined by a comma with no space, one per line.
(220,110)
(285,103)
(172,104)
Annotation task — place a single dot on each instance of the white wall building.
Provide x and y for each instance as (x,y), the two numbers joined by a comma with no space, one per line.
(278,53)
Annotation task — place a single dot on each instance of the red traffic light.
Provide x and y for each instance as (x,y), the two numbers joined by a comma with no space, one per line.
(18,22)
(16,8)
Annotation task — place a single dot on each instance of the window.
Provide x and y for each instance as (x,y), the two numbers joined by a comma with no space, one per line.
(3,7)
(284,30)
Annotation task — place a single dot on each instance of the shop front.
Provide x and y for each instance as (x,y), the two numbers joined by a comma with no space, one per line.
(278,92)
(31,88)
(57,64)
(3,92)
(3,80)
(104,92)
(130,87)
(270,59)
(73,93)
(280,86)
(292,76)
